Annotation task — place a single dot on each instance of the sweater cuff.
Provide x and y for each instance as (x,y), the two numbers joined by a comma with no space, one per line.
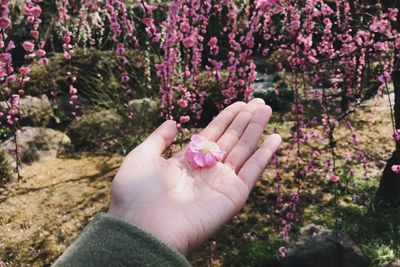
(110,241)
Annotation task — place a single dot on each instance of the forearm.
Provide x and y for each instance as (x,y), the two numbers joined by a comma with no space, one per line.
(110,241)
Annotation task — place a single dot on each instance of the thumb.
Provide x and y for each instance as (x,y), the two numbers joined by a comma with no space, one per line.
(161,138)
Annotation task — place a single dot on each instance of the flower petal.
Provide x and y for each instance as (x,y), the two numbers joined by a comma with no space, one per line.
(199,159)
(190,158)
(210,160)
(197,139)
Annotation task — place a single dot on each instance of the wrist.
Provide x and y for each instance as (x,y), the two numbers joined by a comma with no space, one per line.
(161,232)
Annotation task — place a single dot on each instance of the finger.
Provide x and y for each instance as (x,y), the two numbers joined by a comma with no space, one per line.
(232,135)
(253,168)
(258,101)
(218,125)
(247,144)
(160,139)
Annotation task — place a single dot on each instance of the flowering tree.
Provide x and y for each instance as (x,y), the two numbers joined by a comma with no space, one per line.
(337,53)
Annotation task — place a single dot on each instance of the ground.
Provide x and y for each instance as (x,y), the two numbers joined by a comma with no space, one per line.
(41,215)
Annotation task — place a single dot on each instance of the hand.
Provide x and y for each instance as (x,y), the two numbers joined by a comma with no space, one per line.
(183,206)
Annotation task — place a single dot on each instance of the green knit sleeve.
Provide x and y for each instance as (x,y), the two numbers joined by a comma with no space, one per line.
(110,241)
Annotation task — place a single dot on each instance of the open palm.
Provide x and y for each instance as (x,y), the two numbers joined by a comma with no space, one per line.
(184,206)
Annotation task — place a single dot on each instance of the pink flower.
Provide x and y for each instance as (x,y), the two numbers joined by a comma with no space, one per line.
(182,103)
(24,70)
(282,252)
(335,178)
(384,78)
(326,10)
(28,46)
(148,21)
(263,4)
(203,153)
(35,34)
(35,11)
(67,37)
(184,119)
(393,14)
(396,168)
(396,135)
(189,42)
(41,53)
(72,90)
(213,41)
(5,22)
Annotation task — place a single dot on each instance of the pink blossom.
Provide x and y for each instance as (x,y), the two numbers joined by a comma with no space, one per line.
(335,178)
(35,34)
(295,197)
(148,21)
(326,10)
(282,252)
(5,22)
(203,153)
(35,11)
(213,41)
(189,42)
(263,4)
(67,37)
(184,119)
(182,103)
(396,168)
(41,53)
(28,46)
(380,46)
(380,26)
(62,12)
(384,78)
(393,14)
(72,90)
(24,70)
(396,135)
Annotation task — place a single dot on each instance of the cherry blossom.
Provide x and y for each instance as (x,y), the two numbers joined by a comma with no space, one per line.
(203,153)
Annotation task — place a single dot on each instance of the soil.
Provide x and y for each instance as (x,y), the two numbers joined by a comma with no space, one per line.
(42,215)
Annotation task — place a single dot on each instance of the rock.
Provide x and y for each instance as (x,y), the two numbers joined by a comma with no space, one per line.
(36,144)
(143,105)
(5,169)
(34,111)
(95,129)
(274,91)
(320,247)
(263,82)
(146,112)
(392,264)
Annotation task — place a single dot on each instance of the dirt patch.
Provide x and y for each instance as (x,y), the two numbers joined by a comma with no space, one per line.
(43,214)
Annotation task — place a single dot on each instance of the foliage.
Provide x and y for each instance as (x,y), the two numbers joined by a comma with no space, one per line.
(97,76)
(261,253)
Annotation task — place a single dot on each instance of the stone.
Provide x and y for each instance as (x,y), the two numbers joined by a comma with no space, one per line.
(34,111)
(321,247)
(143,105)
(36,144)
(5,169)
(146,112)
(95,129)
(392,264)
